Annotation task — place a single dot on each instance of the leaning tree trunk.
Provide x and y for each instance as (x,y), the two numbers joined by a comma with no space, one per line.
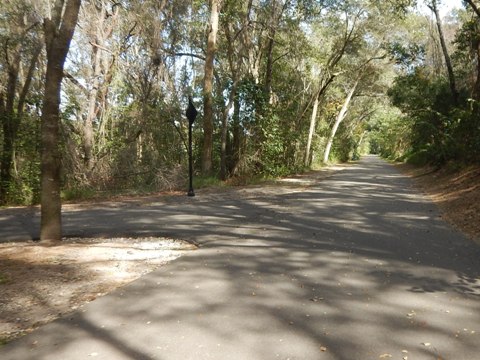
(338,121)
(58,34)
(207,152)
(474,7)
(324,84)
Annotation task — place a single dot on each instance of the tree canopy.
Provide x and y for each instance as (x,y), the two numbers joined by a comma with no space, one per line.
(280,85)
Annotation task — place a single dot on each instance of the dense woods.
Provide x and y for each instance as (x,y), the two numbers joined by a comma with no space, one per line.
(280,85)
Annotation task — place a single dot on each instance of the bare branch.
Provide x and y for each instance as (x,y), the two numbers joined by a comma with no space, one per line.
(171,53)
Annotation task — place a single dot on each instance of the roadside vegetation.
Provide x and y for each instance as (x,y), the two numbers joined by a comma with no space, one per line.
(281,87)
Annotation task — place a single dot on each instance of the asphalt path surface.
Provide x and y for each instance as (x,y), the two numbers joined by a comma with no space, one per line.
(355,266)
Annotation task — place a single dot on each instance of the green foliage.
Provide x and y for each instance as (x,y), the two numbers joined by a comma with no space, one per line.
(408,56)
(147,71)
(418,158)
(437,130)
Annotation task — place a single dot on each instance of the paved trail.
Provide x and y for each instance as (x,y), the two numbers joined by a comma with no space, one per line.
(357,266)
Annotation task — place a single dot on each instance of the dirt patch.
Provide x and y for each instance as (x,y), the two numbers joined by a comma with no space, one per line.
(457,194)
(40,283)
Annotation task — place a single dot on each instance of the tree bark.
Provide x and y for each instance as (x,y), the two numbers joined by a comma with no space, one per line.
(100,75)
(323,88)
(311,131)
(448,63)
(476,87)
(224,134)
(58,34)
(237,133)
(207,153)
(338,121)
(9,122)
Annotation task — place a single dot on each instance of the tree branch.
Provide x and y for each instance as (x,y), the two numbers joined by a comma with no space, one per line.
(474,7)
(75,81)
(171,53)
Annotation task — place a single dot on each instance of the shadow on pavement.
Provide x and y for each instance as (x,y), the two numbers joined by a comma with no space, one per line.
(357,266)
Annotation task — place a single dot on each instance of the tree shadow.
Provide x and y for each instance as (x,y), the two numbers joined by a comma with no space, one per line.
(358,264)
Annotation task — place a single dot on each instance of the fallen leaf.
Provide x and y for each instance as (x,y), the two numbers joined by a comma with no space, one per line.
(426,344)
(323,348)
(384,356)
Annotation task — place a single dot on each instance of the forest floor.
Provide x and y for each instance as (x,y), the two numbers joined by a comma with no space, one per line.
(456,193)
(40,283)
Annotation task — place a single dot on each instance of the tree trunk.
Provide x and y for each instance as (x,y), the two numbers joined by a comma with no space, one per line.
(223,153)
(101,73)
(476,87)
(7,150)
(58,34)
(311,131)
(207,153)
(9,124)
(448,63)
(237,133)
(340,117)
(269,69)
(11,120)
(92,110)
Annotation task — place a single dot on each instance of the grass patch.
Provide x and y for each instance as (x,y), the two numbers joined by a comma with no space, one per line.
(78,194)
(206,181)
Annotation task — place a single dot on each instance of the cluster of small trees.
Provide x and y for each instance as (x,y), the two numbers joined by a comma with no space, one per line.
(437,90)
(280,85)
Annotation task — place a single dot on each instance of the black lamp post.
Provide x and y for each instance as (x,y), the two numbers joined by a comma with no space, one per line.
(191,115)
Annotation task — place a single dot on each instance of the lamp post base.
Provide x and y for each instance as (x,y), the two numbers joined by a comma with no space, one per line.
(190,193)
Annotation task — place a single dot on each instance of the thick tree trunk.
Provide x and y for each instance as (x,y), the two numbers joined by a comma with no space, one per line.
(58,34)
(207,153)
(338,121)
(448,63)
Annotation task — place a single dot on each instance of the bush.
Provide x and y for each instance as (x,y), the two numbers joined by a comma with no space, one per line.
(418,158)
